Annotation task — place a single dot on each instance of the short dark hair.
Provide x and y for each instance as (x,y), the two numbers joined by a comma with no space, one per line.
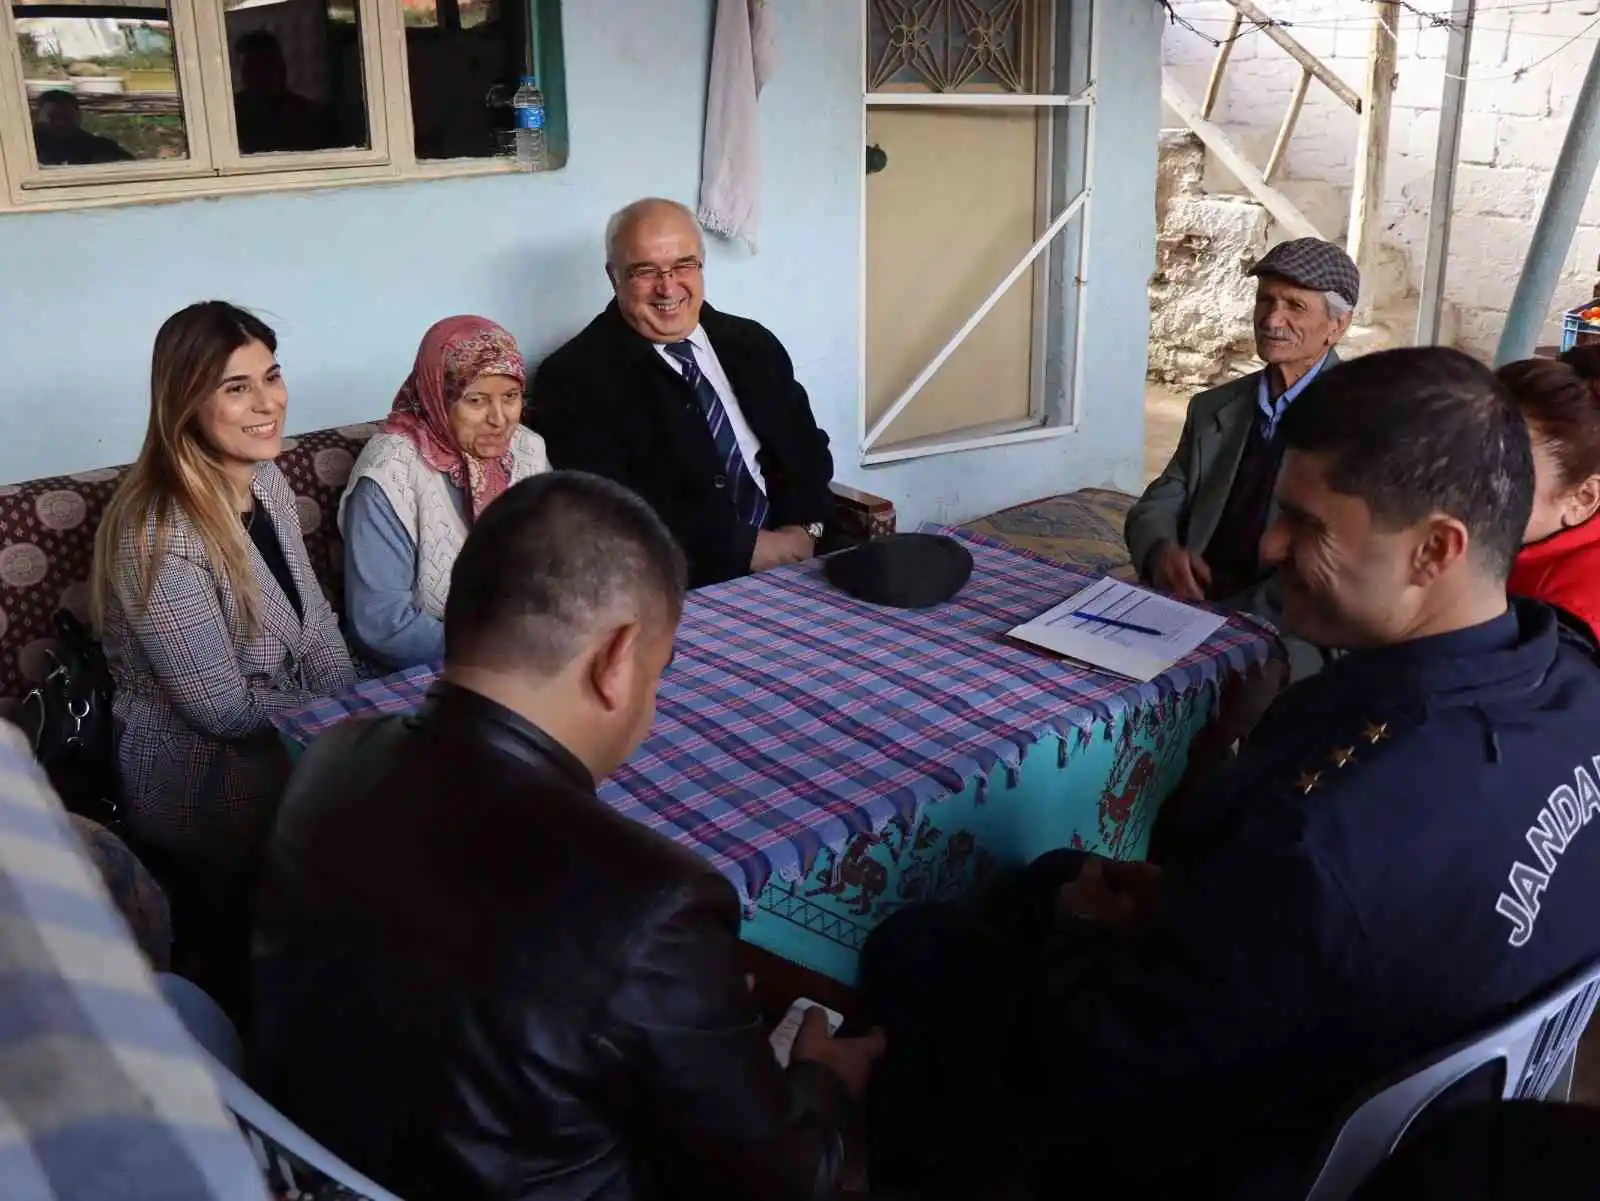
(59,96)
(546,559)
(1423,430)
(1562,397)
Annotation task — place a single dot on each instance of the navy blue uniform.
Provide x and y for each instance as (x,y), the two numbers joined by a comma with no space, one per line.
(1398,856)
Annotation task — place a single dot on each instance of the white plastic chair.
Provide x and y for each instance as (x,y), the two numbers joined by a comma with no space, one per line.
(204,1020)
(295,1164)
(1537,1047)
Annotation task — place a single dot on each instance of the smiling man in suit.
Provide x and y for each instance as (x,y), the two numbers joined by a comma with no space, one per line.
(696,410)
(1195,531)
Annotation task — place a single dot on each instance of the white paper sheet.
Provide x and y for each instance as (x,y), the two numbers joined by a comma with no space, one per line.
(783,1037)
(1169,629)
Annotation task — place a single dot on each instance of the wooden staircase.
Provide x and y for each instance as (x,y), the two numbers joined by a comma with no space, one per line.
(1372,105)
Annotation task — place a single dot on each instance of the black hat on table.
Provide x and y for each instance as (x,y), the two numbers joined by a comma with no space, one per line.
(907,571)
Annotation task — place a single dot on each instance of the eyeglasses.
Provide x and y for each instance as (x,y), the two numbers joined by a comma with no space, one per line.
(649,273)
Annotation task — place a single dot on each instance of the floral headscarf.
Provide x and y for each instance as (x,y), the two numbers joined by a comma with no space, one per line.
(455,353)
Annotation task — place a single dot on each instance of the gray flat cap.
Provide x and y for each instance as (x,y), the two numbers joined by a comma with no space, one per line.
(1315,264)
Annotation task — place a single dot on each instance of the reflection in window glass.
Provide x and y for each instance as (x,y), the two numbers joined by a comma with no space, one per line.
(297,76)
(100,89)
(420,14)
(479,12)
(464,58)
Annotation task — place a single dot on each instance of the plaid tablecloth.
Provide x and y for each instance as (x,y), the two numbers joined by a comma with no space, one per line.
(794,717)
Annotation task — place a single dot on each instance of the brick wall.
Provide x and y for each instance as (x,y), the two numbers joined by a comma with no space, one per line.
(1510,139)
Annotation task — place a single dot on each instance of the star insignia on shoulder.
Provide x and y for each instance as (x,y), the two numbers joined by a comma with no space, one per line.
(1308,780)
(1376,732)
(1342,756)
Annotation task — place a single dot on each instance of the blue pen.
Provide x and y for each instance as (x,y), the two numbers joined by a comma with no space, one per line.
(1121,625)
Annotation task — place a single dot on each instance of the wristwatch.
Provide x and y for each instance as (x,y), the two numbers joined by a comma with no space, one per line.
(814,530)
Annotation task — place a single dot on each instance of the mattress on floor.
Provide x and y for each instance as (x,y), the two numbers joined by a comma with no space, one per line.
(1081,529)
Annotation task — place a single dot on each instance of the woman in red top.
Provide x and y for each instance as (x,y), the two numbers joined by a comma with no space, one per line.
(1560,558)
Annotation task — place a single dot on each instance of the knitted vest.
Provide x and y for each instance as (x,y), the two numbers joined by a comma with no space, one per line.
(420,497)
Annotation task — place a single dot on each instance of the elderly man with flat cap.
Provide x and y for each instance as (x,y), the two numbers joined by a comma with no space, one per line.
(1195,531)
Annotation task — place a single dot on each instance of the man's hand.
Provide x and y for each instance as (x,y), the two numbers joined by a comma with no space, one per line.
(1181,572)
(774,548)
(850,1059)
(1121,896)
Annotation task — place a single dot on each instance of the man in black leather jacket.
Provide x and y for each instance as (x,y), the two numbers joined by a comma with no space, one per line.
(474,979)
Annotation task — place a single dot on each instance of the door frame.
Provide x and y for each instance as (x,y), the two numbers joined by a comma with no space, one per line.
(1052,299)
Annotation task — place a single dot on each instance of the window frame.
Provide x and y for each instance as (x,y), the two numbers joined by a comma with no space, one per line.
(215,167)
(1066,189)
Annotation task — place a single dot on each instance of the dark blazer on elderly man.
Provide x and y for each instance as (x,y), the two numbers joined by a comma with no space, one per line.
(608,403)
(1185,503)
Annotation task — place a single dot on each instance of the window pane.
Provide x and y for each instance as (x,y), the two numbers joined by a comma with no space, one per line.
(464,59)
(102,87)
(297,81)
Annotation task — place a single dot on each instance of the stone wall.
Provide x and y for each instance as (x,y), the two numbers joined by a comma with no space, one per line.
(1517,107)
(1200,298)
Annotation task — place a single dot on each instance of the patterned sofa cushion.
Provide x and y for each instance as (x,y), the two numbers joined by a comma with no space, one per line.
(318,466)
(47,529)
(1082,529)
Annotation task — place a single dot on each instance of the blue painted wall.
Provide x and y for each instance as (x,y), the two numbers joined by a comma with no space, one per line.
(352,277)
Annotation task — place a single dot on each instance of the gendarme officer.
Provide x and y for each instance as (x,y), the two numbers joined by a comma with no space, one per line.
(1399,855)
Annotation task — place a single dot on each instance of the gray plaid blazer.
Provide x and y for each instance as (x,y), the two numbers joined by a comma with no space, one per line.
(202,767)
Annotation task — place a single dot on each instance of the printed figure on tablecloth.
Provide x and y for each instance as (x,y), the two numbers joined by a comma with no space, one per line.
(921,866)
(1144,752)
(1118,806)
(963,869)
(857,869)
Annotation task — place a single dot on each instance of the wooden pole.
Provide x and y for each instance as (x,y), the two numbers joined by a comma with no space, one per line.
(1372,149)
(1299,53)
(1214,84)
(1280,146)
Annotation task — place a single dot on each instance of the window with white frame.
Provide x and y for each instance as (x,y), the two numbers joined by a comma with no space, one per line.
(978,116)
(105,101)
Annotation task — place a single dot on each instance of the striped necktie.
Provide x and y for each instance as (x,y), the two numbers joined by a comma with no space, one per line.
(748,499)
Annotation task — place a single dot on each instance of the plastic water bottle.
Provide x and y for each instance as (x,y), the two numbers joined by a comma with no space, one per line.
(527,111)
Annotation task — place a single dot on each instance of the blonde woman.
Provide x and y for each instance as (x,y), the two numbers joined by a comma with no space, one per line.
(211,617)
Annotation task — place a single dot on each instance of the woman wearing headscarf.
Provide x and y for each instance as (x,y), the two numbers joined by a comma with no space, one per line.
(453,442)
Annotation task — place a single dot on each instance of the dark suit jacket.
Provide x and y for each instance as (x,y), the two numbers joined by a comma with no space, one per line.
(1186,501)
(478,982)
(607,402)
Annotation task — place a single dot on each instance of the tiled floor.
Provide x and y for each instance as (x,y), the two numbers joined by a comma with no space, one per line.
(1163,415)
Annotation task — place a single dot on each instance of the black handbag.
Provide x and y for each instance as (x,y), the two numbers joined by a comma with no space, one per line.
(68,720)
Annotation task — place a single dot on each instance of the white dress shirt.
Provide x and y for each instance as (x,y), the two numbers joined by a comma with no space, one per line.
(706,359)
